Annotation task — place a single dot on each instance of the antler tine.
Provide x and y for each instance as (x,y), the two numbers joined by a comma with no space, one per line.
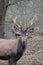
(32,22)
(16,26)
(21,26)
(16,33)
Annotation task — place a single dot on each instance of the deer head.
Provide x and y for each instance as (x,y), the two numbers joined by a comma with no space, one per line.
(19,31)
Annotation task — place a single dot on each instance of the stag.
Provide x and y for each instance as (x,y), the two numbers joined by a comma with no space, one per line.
(13,49)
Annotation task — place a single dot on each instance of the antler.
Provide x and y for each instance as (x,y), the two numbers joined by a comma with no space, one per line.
(16,26)
(32,22)
(19,28)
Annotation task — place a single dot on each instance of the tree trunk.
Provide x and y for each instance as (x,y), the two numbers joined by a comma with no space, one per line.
(3,8)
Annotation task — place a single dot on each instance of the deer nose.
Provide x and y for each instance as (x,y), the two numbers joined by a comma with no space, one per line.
(24,39)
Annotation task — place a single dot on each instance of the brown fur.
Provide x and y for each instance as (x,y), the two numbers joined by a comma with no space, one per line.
(7,46)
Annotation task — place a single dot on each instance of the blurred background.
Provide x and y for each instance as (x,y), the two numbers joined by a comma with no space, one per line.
(24,10)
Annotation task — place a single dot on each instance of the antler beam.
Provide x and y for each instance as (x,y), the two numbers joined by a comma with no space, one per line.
(32,22)
(16,26)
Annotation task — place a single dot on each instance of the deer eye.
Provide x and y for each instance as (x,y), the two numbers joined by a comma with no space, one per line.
(17,34)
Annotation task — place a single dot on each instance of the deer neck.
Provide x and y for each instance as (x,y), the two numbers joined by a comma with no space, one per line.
(22,43)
